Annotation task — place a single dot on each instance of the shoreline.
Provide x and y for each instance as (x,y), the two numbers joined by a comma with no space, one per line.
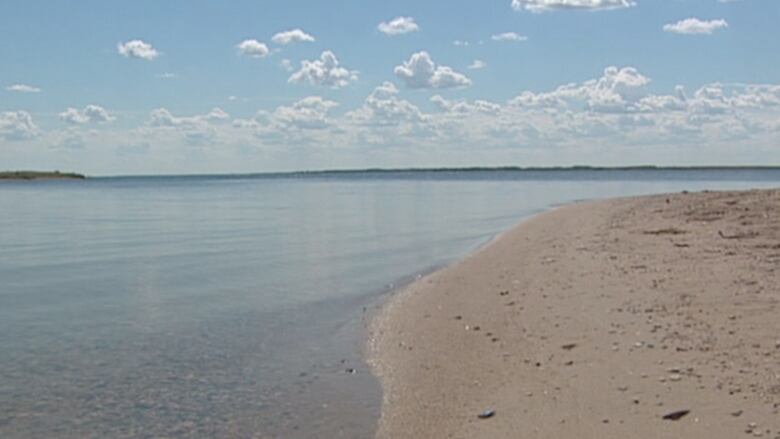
(39,175)
(594,319)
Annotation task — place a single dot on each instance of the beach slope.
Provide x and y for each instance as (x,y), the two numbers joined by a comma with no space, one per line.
(596,320)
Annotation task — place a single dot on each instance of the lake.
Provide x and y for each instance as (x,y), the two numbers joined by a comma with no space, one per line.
(235,306)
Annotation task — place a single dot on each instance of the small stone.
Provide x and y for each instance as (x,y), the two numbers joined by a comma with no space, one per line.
(736,414)
(676,415)
(487,414)
(675,377)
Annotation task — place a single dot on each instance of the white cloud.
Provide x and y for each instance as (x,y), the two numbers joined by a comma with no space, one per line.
(166,75)
(308,113)
(217,114)
(477,64)
(609,113)
(253,48)
(292,36)
(463,107)
(71,138)
(90,114)
(398,25)
(383,107)
(421,72)
(137,49)
(162,117)
(612,115)
(509,36)
(618,90)
(694,26)
(23,88)
(325,71)
(552,5)
(195,130)
(17,125)
(301,123)
(461,43)
(287,65)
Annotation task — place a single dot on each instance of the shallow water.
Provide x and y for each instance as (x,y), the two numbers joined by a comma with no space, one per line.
(234,306)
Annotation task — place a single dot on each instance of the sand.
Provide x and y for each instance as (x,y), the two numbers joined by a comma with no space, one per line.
(595,320)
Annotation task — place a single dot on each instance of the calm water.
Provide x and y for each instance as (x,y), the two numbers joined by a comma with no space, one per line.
(234,307)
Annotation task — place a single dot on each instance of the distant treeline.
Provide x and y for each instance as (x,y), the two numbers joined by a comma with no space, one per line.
(544,169)
(38,175)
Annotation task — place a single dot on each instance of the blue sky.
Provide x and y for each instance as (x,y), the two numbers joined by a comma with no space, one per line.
(203,86)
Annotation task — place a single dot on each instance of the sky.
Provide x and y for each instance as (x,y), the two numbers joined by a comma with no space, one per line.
(188,86)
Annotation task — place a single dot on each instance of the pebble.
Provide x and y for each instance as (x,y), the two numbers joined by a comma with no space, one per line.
(487,414)
(674,416)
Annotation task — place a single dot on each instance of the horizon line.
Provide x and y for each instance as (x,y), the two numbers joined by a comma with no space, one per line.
(458,169)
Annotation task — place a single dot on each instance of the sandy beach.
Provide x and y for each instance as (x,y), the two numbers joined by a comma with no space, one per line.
(648,317)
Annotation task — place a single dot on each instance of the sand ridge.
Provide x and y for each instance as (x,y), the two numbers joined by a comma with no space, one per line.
(596,320)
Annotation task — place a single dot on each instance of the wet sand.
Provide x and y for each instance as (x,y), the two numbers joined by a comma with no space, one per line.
(596,320)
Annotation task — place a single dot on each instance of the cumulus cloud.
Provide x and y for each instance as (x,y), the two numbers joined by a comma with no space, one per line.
(421,72)
(612,114)
(162,117)
(253,48)
(463,107)
(17,125)
(614,109)
(383,107)
(23,88)
(71,138)
(137,49)
(398,26)
(326,71)
(308,113)
(694,26)
(553,5)
(195,130)
(292,36)
(477,64)
(90,114)
(508,36)
(303,122)
(617,90)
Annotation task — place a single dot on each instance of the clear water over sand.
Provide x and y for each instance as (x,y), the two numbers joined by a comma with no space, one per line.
(233,307)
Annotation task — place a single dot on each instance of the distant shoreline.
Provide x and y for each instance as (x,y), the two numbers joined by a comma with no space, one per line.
(536,168)
(445,170)
(40,175)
